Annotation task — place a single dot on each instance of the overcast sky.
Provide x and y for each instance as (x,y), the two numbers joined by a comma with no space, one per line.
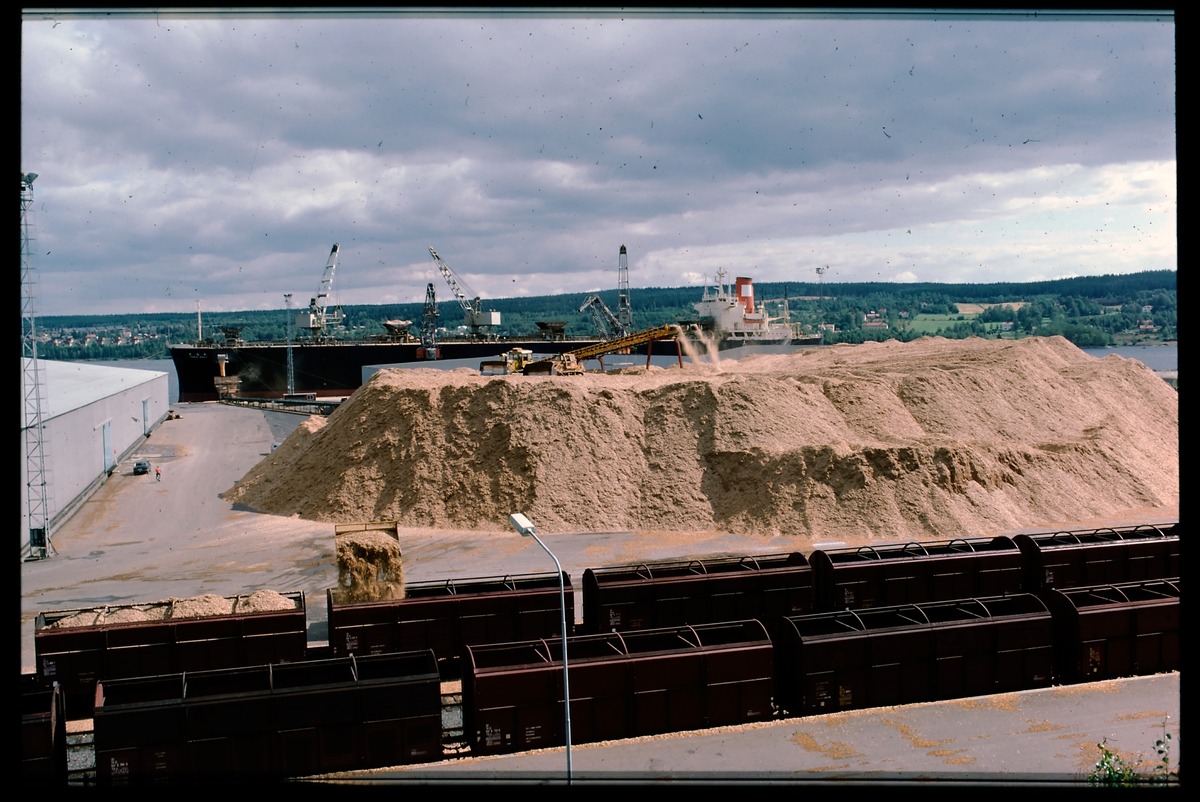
(219,159)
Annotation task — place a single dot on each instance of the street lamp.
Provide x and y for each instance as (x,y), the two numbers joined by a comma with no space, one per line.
(525,528)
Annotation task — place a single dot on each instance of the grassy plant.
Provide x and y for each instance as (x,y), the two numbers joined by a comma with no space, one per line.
(1162,768)
(1113,770)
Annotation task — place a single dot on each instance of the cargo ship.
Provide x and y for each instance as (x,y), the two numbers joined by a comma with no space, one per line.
(727,319)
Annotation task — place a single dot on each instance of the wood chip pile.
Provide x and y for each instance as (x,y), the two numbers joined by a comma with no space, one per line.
(929,439)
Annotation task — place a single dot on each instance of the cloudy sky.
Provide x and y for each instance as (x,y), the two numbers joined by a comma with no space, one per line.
(218,159)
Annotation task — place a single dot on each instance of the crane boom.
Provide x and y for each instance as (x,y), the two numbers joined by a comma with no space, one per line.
(603,318)
(452,280)
(317,318)
(327,278)
(473,314)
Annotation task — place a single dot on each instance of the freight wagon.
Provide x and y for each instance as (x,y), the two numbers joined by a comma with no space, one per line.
(445,616)
(43,733)
(270,721)
(622,686)
(76,657)
(640,596)
(666,594)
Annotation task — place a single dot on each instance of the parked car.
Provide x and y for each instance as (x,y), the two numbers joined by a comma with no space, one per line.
(141,466)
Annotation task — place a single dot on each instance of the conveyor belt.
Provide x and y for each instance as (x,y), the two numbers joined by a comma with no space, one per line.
(628,341)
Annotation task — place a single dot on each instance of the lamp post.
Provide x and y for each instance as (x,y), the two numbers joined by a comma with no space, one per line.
(525,528)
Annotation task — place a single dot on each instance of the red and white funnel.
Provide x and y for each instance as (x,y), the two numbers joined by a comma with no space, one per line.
(745,293)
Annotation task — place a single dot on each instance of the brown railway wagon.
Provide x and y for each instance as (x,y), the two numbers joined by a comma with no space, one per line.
(43,733)
(622,685)
(628,598)
(447,616)
(76,657)
(913,653)
(1116,630)
(1086,558)
(912,573)
(270,721)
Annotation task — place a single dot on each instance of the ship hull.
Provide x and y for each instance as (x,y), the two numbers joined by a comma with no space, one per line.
(731,343)
(328,370)
(335,369)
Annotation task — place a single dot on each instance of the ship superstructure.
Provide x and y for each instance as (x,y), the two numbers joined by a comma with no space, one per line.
(728,311)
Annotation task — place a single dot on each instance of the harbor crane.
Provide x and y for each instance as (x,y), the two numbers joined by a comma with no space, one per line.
(607,324)
(624,310)
(318,317)
(473,314)
(429,321)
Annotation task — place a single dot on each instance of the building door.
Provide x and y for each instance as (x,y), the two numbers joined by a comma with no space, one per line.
(110,458)
(145,416)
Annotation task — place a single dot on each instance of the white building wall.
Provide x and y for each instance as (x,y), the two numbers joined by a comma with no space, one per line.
(74,438)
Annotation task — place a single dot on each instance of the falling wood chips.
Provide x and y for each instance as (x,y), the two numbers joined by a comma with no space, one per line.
(369,567)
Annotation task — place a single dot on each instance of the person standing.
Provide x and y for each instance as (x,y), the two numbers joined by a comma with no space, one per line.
(157,474)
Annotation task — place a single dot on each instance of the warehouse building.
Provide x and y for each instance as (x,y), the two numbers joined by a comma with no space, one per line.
(94,417)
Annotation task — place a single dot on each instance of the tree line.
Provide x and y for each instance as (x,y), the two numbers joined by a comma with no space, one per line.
(1088,310)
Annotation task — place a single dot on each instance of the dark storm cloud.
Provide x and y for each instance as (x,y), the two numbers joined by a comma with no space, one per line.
(221,158)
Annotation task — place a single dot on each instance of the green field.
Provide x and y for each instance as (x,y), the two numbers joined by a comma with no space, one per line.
(929,324)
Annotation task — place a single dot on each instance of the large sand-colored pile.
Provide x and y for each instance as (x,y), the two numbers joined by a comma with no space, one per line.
(934,438)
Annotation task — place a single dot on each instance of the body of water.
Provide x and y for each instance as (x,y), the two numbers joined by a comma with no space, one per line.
(1155,357)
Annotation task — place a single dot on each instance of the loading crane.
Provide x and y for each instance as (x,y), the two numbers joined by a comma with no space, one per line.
(429,321)
(318,317)
(473,314)
(624,310)
(607,324)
